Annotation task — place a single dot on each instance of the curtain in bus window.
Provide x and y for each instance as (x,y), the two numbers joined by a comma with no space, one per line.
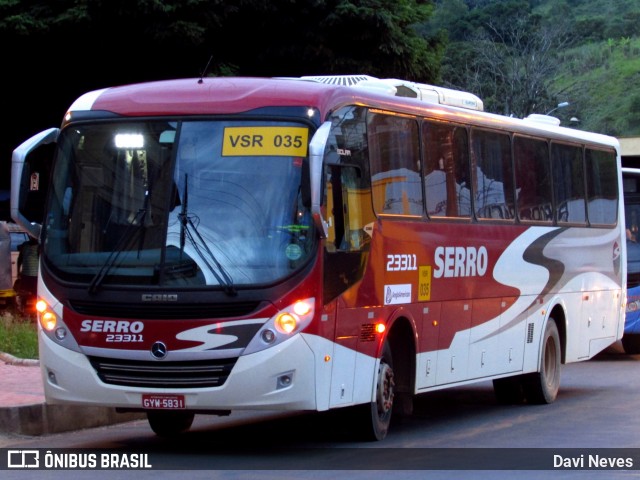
(395,164)
(129,186)
(602,191)
(533,179)
(446,170)
(568,183)
(492,182)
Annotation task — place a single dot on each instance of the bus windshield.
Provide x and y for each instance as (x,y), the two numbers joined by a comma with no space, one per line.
(179,203)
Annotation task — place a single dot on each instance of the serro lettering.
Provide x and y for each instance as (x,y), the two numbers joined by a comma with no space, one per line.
(460,262)
(111,326)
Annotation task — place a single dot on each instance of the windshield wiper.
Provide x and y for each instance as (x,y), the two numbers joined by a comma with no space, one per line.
(186,228)
(123,243)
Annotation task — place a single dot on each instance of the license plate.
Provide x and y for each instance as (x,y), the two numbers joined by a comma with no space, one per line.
(163,402)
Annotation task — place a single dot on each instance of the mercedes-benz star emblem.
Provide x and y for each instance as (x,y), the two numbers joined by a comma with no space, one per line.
(159,350)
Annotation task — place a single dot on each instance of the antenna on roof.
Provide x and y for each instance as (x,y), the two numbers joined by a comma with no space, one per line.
(206,70)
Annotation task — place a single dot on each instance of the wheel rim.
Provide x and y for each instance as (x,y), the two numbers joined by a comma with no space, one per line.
(385,391)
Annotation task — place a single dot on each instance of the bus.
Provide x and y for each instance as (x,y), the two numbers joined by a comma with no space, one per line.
(631,183)
(315,243)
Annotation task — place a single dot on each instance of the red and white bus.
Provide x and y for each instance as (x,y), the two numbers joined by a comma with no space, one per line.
(314,243)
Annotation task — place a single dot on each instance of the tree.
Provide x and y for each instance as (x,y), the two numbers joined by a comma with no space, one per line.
(297,37)
(509,61)
(62,49)
(256,37)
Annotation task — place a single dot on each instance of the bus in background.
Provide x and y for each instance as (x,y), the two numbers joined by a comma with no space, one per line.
(631,184)
(315,243)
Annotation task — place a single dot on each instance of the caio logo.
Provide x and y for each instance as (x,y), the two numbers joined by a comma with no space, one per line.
(23,459)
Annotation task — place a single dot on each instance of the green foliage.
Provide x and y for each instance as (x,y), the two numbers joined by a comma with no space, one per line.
(61,49)
(507,56)
(599,79)
(250,37)
(18,336)
(594,64)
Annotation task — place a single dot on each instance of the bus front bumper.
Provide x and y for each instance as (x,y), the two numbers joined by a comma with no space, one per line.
(278,378)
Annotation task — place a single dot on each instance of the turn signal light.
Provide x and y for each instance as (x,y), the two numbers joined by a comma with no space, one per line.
(47,318)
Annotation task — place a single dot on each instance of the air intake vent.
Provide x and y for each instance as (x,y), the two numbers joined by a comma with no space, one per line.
(191,374)
(530,333)
(346,80)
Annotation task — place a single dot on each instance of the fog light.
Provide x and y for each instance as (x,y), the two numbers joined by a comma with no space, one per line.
(268,336)
(284,380)
(61,333)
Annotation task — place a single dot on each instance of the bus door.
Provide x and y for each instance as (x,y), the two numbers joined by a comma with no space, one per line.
(346,252)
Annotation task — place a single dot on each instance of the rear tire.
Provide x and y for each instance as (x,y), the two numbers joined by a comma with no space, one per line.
(169,424)
(542,387)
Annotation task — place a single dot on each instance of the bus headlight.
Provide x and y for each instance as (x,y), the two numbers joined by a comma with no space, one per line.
(54,327)
(286,323)
(283,325)
(48,319)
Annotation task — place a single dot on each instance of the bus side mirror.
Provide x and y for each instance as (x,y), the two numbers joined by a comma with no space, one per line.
(316,157)
(30,170)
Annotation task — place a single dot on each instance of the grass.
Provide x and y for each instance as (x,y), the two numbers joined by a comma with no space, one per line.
(18,336)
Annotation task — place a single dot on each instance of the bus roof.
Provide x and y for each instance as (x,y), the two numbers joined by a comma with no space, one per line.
(232,95)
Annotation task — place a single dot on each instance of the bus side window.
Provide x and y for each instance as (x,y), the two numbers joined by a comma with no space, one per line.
(446,170)
(533,179)
(602,193)
(492,170)
(395,164)
(568,183)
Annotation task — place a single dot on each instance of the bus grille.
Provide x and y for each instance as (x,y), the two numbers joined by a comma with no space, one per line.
(188,374)
(164,311)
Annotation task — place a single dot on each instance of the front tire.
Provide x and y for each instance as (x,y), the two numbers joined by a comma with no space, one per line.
(542,387)
(375,417)
(169,424)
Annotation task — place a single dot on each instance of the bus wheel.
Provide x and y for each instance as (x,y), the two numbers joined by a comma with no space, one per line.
(631,344)
(542,387)
(376,416)
(508,391)
(169,424)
